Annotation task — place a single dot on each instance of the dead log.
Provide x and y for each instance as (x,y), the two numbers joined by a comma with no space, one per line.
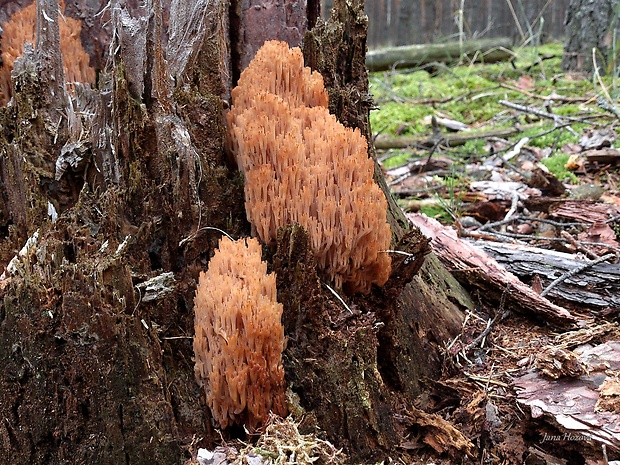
(595,287)
(409,56)
(585,420)
(494,284)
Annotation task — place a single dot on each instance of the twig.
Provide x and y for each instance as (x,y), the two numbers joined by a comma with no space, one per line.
(529,237)
(338,297)
(579,246)
(513,206)
(430,155)
(543,114)
(491,236)
(487,379)
(500,315)
(516,150)
(553,98)
(575,271)
(211,228)
(608,106)
(512,219)
(516,19)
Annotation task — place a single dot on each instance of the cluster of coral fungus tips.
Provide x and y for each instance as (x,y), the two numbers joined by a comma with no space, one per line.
(302,166)
(21,28)
(239,337)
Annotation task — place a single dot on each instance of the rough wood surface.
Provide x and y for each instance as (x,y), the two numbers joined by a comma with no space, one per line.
(481,272)
(573,404)
(598,286)
(96,368)
(588,27)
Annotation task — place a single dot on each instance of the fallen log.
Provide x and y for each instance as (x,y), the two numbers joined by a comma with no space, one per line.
(408,56)
(475,267)
(598,286)
(448,140)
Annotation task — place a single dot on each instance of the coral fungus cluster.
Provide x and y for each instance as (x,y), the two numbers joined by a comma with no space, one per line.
(302,166)
(239,337)
(21,28)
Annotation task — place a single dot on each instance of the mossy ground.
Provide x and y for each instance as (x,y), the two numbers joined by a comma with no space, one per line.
(406,101)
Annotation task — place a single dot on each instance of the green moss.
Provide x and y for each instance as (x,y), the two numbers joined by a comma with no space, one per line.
(395,159)
(393,116)
(437,212)
(556,165)
(543,136)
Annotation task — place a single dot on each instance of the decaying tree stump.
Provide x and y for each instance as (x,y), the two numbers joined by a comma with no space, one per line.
(97,355)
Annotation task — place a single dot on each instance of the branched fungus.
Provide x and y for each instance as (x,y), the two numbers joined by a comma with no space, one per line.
(302,166)
(239,337)
(21,28)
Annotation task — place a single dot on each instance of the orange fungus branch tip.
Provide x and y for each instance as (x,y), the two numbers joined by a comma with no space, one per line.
(302,166)
(239,337)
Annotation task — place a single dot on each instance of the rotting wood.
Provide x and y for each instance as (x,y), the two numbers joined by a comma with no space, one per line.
(578,420)
(408,56)
(596,287)
(480,271)
(115,366)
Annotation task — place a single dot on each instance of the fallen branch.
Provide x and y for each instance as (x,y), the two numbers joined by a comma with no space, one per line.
(548,98)
(482,272)
(597,286)
(576,271)
(543,114)
(409,56)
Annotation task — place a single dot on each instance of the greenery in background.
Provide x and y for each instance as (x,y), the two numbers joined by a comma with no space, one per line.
(395,158)
(472,93)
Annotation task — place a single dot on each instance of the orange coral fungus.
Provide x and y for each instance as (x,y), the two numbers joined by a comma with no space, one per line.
(239,336)
(302,166)
(21,28)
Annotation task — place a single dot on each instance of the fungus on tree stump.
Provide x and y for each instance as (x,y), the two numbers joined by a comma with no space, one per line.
(302,166)
(239,337)
(21,28)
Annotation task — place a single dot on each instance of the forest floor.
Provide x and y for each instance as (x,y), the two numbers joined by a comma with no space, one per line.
(518,160)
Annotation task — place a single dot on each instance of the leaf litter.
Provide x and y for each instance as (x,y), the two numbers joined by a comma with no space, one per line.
(519,164)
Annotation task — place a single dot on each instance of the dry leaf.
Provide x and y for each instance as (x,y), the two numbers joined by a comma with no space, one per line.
(600,232)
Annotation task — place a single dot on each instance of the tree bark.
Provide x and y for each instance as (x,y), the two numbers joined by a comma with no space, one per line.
(590,24)
(97,369)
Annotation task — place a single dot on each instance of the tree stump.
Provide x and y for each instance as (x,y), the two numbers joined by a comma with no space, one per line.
(98,365)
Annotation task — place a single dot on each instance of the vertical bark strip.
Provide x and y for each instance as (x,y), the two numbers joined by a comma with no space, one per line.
(48,53)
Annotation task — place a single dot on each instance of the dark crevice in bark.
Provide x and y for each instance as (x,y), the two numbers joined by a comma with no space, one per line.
(235,40)
(313,12)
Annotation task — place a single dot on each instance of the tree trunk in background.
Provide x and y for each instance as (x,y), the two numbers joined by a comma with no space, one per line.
(591,24)
(97,364)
